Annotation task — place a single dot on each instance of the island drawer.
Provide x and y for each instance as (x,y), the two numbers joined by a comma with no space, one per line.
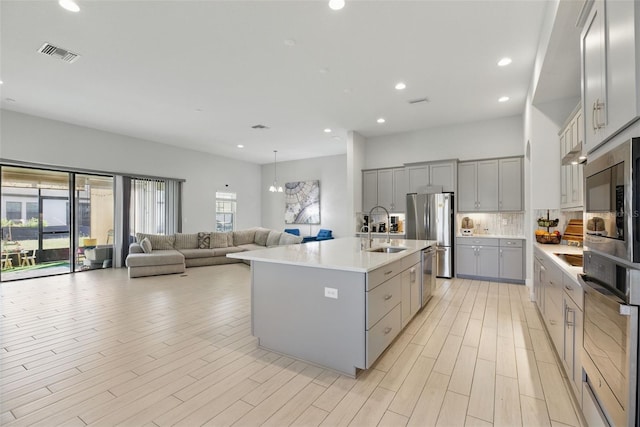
(410,260)
(382,334)
(475,241)
(514,243)
(382,299)
(382,274)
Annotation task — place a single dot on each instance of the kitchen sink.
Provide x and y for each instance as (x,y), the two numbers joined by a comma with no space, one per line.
(388,249)
(574,260)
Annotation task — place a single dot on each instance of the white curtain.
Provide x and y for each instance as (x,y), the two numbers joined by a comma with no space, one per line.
(155,206)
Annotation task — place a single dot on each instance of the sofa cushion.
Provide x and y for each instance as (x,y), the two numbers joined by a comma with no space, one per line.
(204,240)
(146,246)
(249,247)
(261,236)
(159,257)
(244,237)
(274,238)
(230,238)
(197,253)
(135,248)
(227,250)
(218,240)
(158,241)
(186,241)
(289,239)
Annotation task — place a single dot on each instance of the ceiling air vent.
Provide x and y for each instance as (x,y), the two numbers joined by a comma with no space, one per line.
(56,52)
(418,101)
(259,127)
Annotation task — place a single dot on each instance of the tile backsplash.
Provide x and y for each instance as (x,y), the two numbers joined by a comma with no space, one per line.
(503,223)
(562,216)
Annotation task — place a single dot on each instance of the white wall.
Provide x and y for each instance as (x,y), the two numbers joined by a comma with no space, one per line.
(33,139)
(335,205)
(476,140)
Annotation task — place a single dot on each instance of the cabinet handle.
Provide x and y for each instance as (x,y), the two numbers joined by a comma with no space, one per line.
(593,117)
(387,330)
(412,275)
(568,288)
(553,322)
(599,106)
(386,273)
(388,297)
(570,311)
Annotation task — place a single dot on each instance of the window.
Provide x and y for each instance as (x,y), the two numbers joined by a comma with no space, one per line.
(32,211)
(225,211)
(14,211)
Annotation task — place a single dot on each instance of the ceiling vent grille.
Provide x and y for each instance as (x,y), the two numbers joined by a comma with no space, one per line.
(419,100)
(56,52)
(259,127)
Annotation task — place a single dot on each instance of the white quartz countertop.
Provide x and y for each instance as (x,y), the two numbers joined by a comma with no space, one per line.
(550,251)
(337,254)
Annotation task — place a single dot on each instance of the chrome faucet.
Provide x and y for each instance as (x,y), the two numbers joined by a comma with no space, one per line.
(371,221)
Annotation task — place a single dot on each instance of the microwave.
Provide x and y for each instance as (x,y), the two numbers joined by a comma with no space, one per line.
(612,203)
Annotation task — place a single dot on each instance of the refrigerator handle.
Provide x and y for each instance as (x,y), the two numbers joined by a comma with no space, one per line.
(426,220)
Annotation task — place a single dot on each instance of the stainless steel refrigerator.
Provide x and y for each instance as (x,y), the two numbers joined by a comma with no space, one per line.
(430,217)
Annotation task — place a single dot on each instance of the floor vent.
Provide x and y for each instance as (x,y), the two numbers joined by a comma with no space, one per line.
(56,52)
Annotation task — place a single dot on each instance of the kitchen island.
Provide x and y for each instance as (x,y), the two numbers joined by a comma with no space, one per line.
(334,303)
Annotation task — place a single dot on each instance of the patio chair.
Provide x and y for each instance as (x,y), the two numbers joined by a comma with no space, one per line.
(6,262)
(26,259)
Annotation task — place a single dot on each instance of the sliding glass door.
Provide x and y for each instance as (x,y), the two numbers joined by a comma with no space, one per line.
(43,221)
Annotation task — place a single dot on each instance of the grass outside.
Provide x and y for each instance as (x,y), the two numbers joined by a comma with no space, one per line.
(33,244)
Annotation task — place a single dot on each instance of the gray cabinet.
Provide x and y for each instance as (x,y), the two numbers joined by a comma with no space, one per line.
(490,258)
(609,47)
(411,293)
(490,185)
(440,174)
(511,260)
(571,138)
(384,187)
(510,184)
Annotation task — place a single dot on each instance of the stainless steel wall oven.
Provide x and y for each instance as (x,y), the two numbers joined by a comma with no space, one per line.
(610,356)
(612,202)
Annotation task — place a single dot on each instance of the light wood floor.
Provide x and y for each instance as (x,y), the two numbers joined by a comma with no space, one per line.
(97,348)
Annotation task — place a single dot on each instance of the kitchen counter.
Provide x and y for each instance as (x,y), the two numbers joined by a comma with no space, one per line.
(343,254)
(494,236)
(332,303)
(550,250)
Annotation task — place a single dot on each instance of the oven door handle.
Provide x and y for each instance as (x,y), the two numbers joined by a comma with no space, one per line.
(599,292)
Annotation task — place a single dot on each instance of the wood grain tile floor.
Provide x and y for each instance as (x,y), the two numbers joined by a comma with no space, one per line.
(97,348)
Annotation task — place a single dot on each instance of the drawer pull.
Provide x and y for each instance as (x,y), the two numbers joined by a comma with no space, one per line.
(387,330)
(386,273)
(569,288)
(388,297)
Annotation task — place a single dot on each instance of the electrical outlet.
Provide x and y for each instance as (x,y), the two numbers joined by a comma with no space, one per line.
(331,293)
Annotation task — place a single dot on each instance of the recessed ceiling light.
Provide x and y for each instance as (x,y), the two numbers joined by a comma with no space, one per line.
(240,146)
(1,82)
(400,86)
(381,120)
(582,158)
(504,62)
(336,4)
(69,5)
(327,130)
(503,99)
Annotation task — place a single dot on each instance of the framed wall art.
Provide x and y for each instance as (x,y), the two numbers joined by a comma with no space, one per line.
(302,202)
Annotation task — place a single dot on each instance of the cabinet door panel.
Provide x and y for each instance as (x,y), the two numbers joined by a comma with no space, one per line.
(487,185)
(442,174)
(399,190)
(467,176)
(466,260)
(369,190)
(488,262)
(594,76)
(385,188)
(418,179)
(510,184)
(511,263)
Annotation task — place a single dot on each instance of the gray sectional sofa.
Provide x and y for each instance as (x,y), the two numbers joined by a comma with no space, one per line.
(154,254)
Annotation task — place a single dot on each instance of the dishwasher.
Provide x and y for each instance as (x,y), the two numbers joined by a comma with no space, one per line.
(428,274)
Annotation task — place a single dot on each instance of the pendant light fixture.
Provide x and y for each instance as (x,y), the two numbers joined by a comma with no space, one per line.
(275,188)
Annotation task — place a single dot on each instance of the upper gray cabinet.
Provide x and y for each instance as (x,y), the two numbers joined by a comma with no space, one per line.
(384,187)
(610,43)
(440,174)
(490,185)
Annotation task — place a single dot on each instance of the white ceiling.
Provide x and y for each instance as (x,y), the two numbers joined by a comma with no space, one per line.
(199,74)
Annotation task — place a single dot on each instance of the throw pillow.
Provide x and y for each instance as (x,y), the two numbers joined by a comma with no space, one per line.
(146,246)
(274,238)
(204,240)
(218,240)
(261,236)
